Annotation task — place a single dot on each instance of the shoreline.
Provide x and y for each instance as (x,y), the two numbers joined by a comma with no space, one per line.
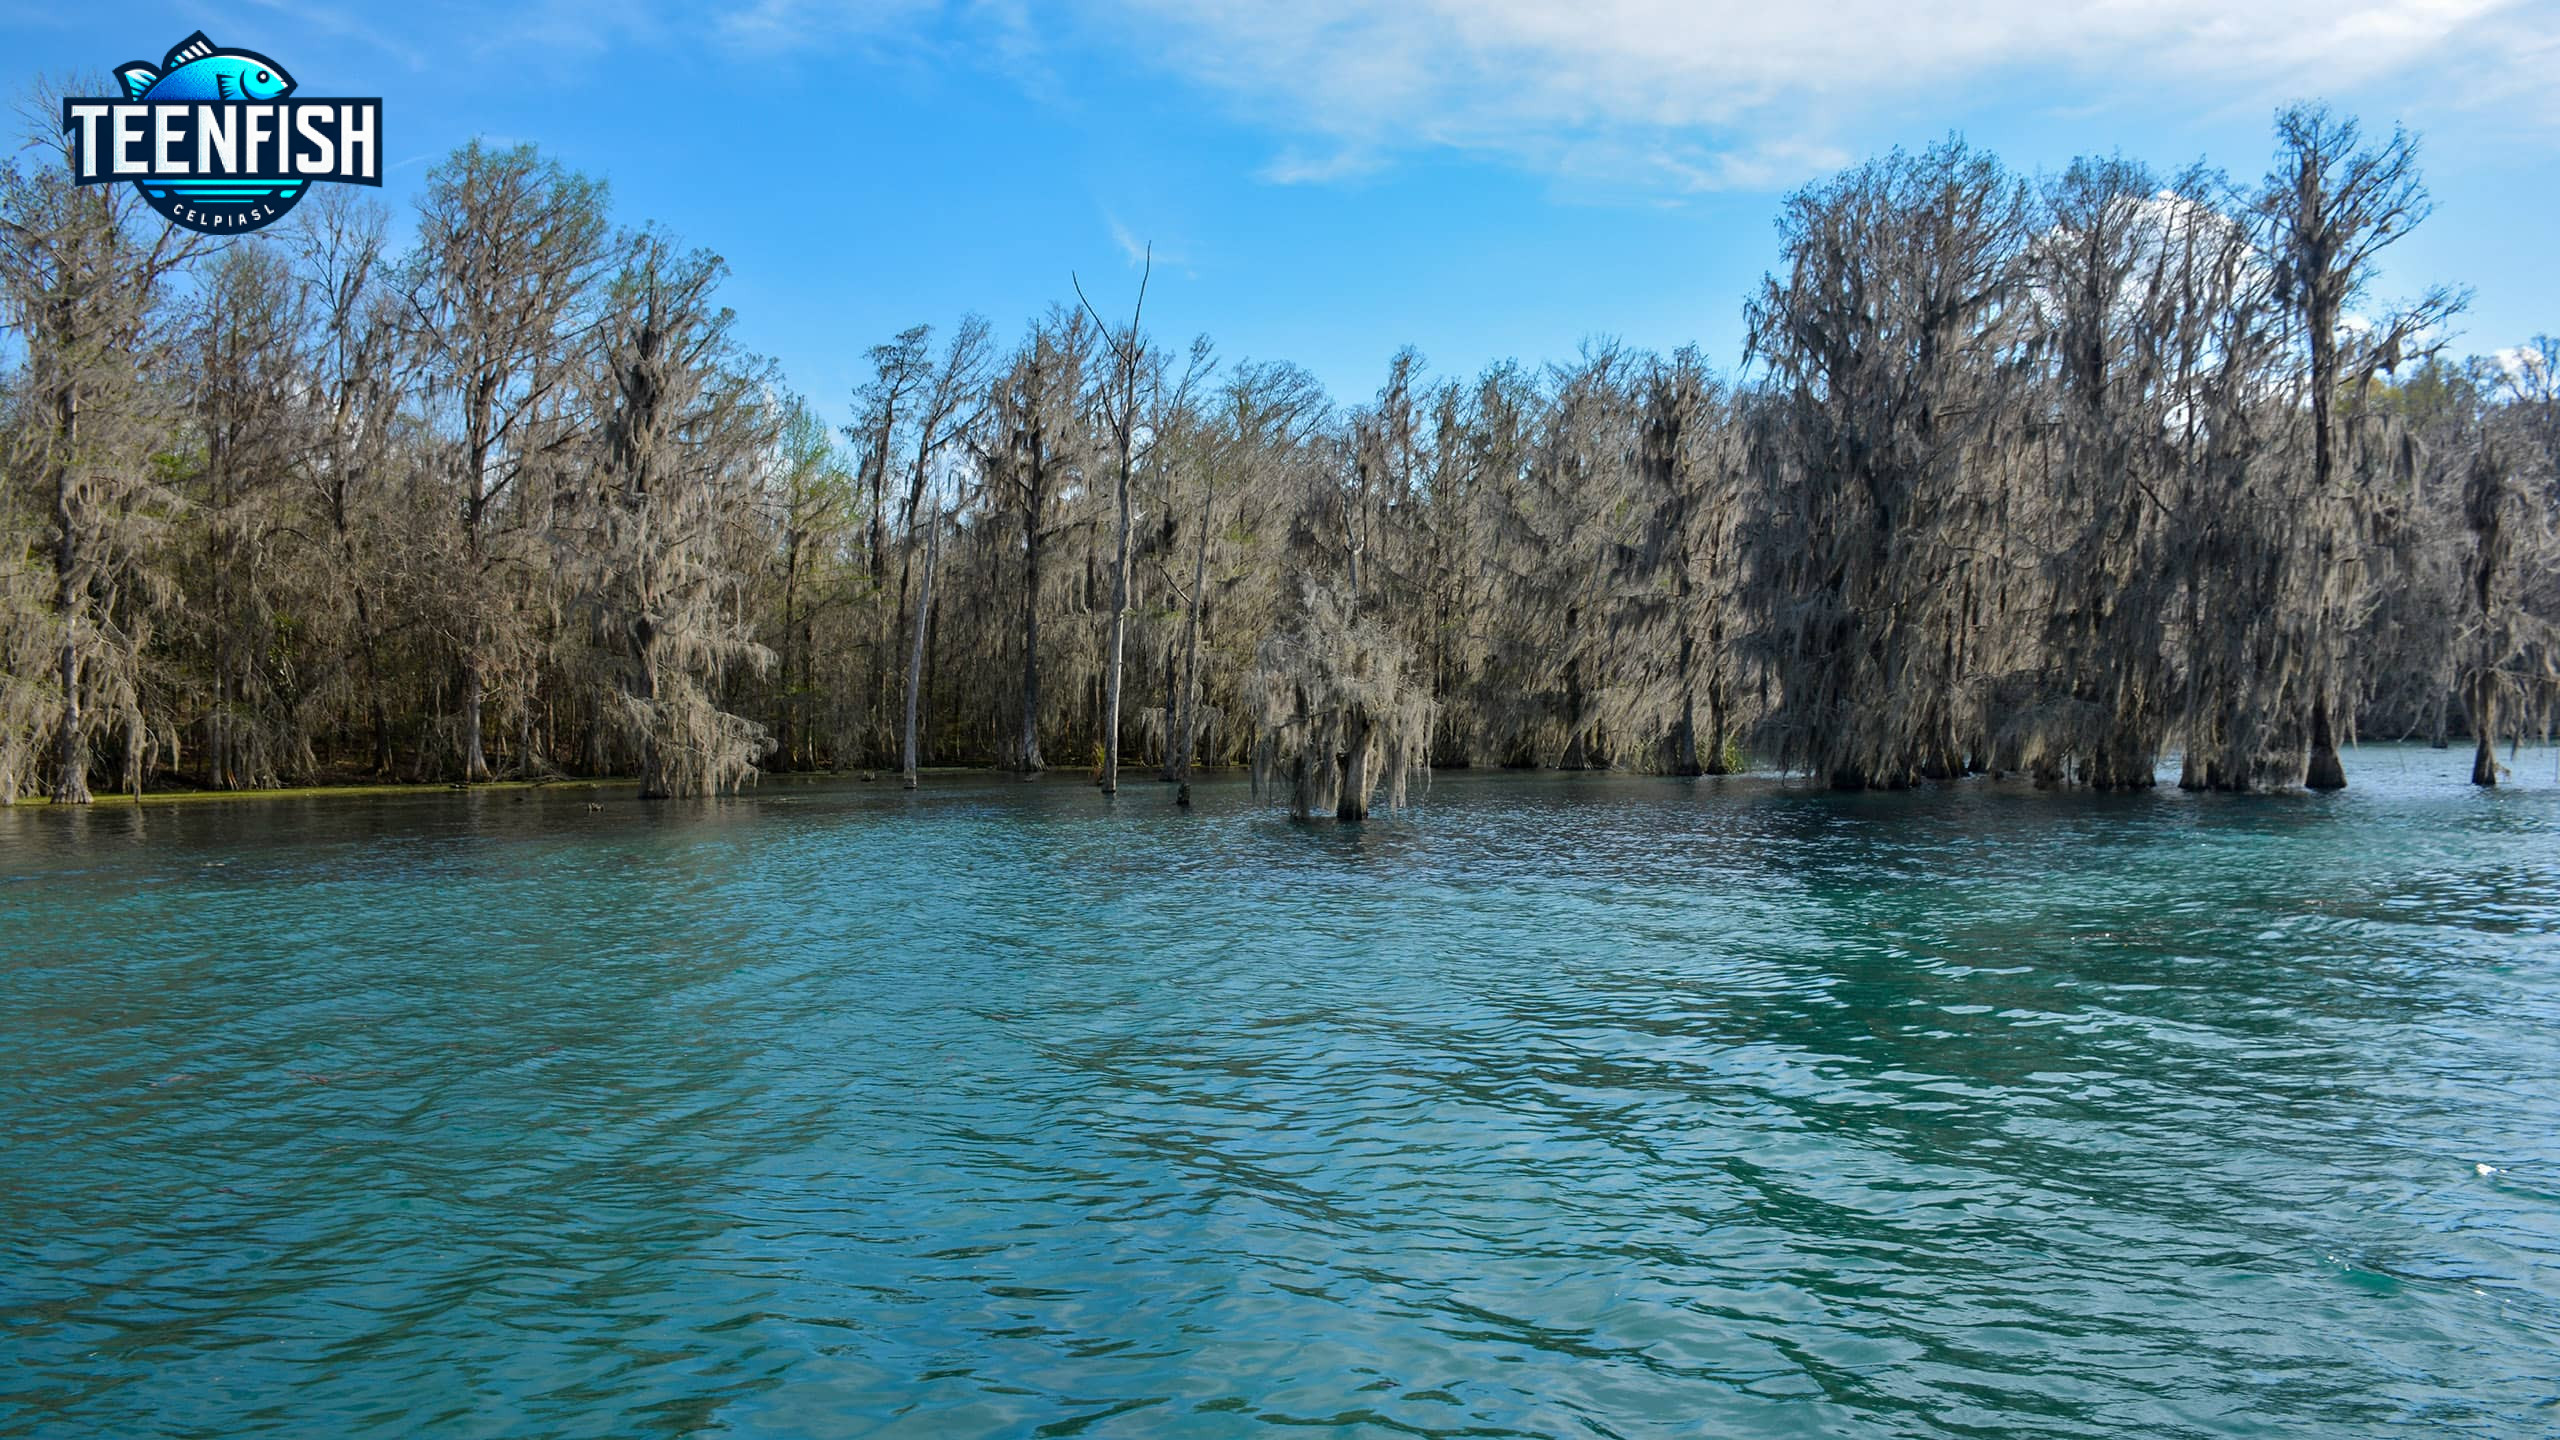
(127,799)
(380,788)
(359,788)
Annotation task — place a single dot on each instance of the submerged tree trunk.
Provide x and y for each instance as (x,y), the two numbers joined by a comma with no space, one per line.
(2484,729)
(1684,732)
(1357,781)
(1301,789)
(1119,642)
(1718,761)
(2326,772)
(1030,751)
(1191,654)
(1128,357)
(1172,714)
(787,742)
(915,656)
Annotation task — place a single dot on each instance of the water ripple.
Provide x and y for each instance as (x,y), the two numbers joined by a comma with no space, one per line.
(1560,1107)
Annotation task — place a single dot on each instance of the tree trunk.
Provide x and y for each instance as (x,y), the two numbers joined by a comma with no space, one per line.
(787,744)
(653,762)
(71,757)
(879,520)
(1172,710)
(2484,731)
(1119,640)
(2126,759)
(915,655)
(2326,772)
(1191,656)
(1029,754)
(475,762)
(1684,733)
(1356,783)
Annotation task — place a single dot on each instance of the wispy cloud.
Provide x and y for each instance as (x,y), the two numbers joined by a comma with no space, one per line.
(817,26)
(1748,94)
(1296,166)
(348,27)
(1677,96)
(1133,249)
(1138,249)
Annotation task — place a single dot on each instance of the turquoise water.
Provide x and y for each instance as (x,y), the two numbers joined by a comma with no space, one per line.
(1572,1106)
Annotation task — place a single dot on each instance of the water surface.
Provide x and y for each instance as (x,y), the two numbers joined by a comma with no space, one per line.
(1561,1106)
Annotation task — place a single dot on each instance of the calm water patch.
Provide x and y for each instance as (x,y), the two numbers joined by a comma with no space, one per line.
(1560,1106)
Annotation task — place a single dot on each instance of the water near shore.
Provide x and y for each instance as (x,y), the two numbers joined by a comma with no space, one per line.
(1562,1106)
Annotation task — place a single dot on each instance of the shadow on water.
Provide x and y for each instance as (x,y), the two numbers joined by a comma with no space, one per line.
(1555,1106)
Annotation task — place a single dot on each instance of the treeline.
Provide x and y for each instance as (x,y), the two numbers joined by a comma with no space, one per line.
(2049,475)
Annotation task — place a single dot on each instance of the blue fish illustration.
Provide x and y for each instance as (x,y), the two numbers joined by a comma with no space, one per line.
(195,70)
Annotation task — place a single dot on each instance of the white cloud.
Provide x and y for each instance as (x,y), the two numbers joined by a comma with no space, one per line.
(779,25)
(1296,166)
(1671,96)
(1134,250)
(1710,94)
(2531,371)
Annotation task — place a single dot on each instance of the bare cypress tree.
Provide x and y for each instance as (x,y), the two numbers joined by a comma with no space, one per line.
(1491,560)
(84,276)
(948,405)
(245,342)
(1672,609)
(2118,329)
(924,618)
(509,248)
(2331,209)
(1193,602)
(1576,508)
(1892,347)
(2019,486)
(2239,726)
(1339,713)
(682,422)
(357,357)
(1267,416)
(2510,501)
(898,369)
(814,503)
(1032,454)
(1117,402)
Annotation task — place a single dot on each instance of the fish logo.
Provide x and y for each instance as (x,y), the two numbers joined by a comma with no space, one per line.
(216,140)
(195,70)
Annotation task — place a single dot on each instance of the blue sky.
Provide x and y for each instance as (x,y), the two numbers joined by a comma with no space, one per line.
(1326,181)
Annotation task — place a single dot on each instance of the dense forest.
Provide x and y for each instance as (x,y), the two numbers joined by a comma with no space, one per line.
(2055,476)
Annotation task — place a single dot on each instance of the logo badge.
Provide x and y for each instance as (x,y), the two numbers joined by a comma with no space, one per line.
(215,139)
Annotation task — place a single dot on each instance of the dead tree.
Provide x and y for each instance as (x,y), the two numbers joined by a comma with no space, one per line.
(1117,401)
